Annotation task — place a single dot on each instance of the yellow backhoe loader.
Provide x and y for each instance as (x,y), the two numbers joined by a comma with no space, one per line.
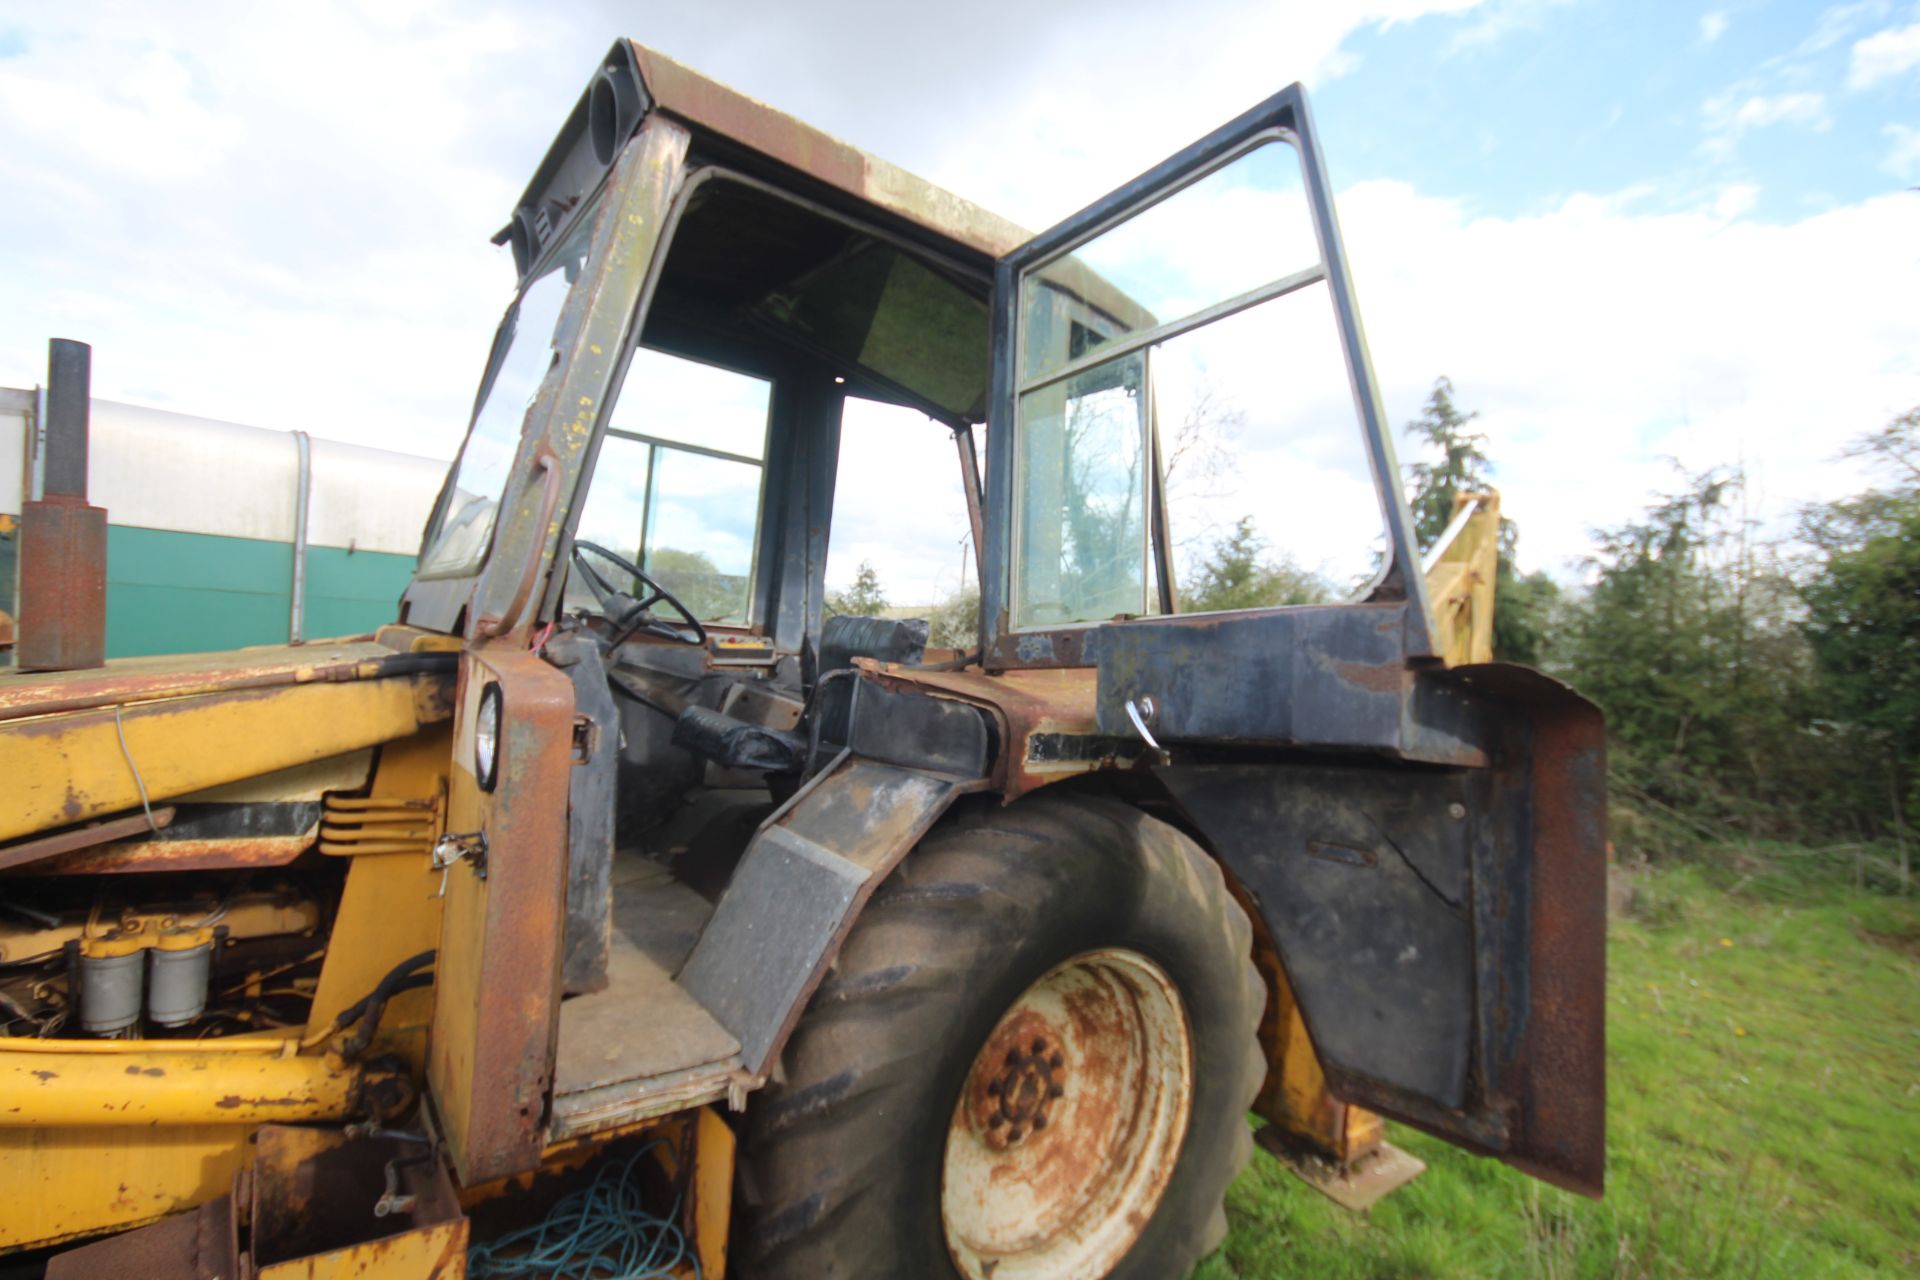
(616,897)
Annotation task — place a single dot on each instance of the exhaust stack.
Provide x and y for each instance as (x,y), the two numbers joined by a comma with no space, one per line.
(63,541)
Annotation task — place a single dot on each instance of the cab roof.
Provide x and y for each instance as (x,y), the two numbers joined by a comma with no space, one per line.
(710,106)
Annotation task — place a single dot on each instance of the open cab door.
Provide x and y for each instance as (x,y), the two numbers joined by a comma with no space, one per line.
(1202,502)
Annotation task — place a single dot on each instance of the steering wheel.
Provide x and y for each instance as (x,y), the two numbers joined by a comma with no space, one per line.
(635,615)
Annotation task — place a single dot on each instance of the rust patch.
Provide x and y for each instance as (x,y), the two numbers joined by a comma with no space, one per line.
(234,1101)
(1026,703)
(221,854)
(1374,678)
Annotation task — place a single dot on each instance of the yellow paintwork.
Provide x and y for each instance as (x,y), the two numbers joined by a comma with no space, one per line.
(437,1252)
(390,908)
(712,1192)
(60,1180)
(1461,583)
(160,1087)
(72,767)
(60,1183)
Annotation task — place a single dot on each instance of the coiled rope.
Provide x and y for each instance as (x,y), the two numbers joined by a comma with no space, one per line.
(601,1232)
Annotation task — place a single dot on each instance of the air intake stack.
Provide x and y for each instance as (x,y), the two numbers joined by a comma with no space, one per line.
(63,541)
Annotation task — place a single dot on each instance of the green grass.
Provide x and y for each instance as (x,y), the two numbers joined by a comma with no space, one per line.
(1763,1108)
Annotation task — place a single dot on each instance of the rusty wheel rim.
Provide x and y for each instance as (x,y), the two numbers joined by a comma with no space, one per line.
(1070,1124)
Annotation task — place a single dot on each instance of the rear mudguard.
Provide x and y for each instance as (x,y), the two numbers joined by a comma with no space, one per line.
(1444,929)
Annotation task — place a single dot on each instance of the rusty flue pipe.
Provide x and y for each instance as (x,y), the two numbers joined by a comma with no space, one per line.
(63,540)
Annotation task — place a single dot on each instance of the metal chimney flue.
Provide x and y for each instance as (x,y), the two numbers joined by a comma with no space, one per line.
(63,541)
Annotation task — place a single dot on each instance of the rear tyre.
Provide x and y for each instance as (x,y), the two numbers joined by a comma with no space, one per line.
(1033,1059)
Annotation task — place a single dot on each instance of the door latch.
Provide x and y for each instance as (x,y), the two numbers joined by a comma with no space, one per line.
(450,848)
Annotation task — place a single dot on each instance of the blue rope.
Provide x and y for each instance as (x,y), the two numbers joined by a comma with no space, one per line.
(601,1232)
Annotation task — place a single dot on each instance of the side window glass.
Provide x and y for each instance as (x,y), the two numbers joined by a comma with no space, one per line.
(900,543)
(1187,434)
(677,487)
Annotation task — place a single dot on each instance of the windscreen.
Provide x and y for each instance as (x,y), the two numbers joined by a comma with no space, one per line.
(523,352)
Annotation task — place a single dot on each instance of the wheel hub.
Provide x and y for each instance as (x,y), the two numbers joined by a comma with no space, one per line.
(1014,1103)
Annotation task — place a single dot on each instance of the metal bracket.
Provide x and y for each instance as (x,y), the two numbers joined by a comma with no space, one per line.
(470,847)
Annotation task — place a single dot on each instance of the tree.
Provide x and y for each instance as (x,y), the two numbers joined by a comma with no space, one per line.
(699,584)
(864,599)
(1522,606)
(1689,641)
(1863,609)
(1236,575)
(955,621)
(1462,466)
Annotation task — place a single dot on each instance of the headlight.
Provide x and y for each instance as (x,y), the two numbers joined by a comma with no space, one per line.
(486,738)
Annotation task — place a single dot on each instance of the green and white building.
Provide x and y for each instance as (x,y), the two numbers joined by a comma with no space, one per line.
(205,545)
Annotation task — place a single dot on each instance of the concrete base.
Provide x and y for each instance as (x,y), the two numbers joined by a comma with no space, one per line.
(1358,1186)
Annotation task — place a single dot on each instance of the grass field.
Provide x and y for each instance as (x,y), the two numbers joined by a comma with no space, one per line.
(1763,1109)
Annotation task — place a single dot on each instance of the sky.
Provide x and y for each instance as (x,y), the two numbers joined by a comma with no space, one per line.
(1630,233)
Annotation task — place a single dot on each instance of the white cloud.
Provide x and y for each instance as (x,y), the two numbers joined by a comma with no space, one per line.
(1596,341)
(1903,158)
(1838,21)
(283,221)
(1501,18)
(1736,199)
(1884,55)
(1730,115)
(1713,25)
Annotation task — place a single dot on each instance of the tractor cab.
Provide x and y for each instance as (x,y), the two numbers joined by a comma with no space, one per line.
(659,725)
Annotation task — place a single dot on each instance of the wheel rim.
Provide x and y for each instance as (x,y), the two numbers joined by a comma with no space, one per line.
(1070,1124)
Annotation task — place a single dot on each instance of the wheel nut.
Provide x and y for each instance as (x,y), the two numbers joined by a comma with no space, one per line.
(1039,1047)
(1040,1122)
(1014,1135)
(1056,1061)
(1056,1090)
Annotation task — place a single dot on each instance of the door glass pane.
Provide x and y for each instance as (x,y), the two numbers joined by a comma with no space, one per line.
(703,515)
(1242,226)
(1270,493)
(1081,547)
(614,513)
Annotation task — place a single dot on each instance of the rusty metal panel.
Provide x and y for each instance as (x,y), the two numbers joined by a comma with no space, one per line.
(799,888)
(1444,930)
(1559,1071)
(63,585)
(590,813)
(325,1206)
(1047,724)
(190,1246)
(498,980)
(179,675)
(1334,676)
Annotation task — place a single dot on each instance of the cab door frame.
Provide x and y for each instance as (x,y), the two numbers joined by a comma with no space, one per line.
(1284,115)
